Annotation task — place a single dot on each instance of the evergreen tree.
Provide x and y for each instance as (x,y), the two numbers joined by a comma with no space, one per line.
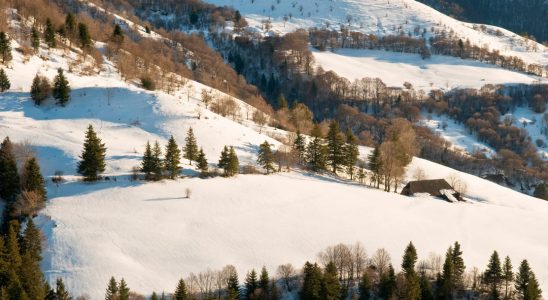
(493,275)
(233,162)
(233,289)
(40,89)
(12,245)
(32,241)
(264,283)
(282,102)
(387,284)
(172,159)
(35,39)
(147,164)
(191,147)
(154,296)
(49,34)
(375,164)
(31,277)
(92,161)
(316,151)
(157,162)
(410,259)
(351,153)
(425,287)
(447,288)
(61,292)
(202,163)
(70,24)
(335,145)
(4,81)
(526,284)
(458,266)
(533,289)
(408,265)
(32,179)
(181,292)
(5,47)
(365,286)
(112,290)
(331,288)
(299,146)
(312,282)
(224,160)
(251,284)
(123,290)
(266,157)
(541,191)
(84,36)
(9,177)
(61,88)
(508,276)
(117,35)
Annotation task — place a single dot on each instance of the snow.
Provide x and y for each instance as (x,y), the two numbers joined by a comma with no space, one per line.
(150,235)
(381,17)
(437,72)
(534,124)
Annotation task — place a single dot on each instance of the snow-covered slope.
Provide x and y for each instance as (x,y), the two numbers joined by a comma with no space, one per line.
(150,235)
(381,17)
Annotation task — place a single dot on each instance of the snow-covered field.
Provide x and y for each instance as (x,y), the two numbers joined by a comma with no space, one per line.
(380,17)
(437,72)
(150,235)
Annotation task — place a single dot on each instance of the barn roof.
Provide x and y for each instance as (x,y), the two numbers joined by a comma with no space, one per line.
(432,187)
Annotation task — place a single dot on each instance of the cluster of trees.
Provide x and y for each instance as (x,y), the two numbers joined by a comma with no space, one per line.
(346,272)
(41,88)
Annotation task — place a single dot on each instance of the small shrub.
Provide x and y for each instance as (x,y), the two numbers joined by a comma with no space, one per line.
(148,83)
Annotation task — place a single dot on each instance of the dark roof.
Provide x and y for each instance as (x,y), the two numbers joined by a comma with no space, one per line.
(432,187)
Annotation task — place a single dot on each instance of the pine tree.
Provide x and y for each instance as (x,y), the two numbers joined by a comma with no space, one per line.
(49,34)
(266,157)
(251,284)
(35,39)
(157,162)
(387,284)
(447,288)
(117,35)
(315,151)
(9,177)
(458,266)
(351,153)
(31,277)
(224,159)
(425,287)
(181,292)
(202,163)
(61,292)
(233,162)
(154,296)
(191,147)
(147,164)
(84,36)
(32,179)
(32,241)
(331,288)
(508,276)
(410,259)
(12,246)
(365,286)
(312,282)
(92,161)
(112,289)
(375,164)
(233,289)
(40,89)
(533,289)
(526,284)
(172,159)
(408,265)
(4,81)
(299,146)
(264,283)
(61,88)
(282,102)
(5,47)
(123,290)
(70,25)
(335,144)
(493,275)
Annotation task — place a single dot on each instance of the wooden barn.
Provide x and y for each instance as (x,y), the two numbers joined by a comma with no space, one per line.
(435,187)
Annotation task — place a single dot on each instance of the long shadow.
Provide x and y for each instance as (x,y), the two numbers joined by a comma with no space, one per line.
(76,187)
(164,199)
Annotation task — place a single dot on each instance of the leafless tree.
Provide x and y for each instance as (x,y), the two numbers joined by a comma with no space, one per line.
(287,274)
(381,260)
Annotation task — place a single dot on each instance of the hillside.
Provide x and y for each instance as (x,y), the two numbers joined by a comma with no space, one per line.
(150,235)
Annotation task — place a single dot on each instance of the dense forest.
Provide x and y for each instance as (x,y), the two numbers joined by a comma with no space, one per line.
(526,17)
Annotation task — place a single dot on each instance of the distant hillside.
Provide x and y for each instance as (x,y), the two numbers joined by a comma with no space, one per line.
(521,16)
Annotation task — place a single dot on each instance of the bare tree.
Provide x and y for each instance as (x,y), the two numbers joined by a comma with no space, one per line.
(381,260)
(287,274)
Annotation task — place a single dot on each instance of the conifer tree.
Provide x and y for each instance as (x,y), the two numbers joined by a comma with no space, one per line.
(157,162)
(282,102)
(265,157)
(31,277)
(331,288)
(32,241)
(35,39)
(365,287)
(70,25)
(387,284)
(493,275)
(299,146)
(233,162)
(13,249)
(9,177)
(191,147)
(458,266)
(375,164)
(202,163)
(233,289)
(316,151)
(312,282)
(172,159)
(61,292)
(154,296)
(447,288)
(84,37)
(117,35)
(264,283)
(412,291)
(61,88)
(251,284)
(147,164)
(4,81)
(526,284)
(425,287)
(40,89)
(112,289)
(5,47)
(49,34)
(32,179)
(351,153)
(508,276)
(181,292)
(335,144)
(92,161)
(224,159)
(123,290)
